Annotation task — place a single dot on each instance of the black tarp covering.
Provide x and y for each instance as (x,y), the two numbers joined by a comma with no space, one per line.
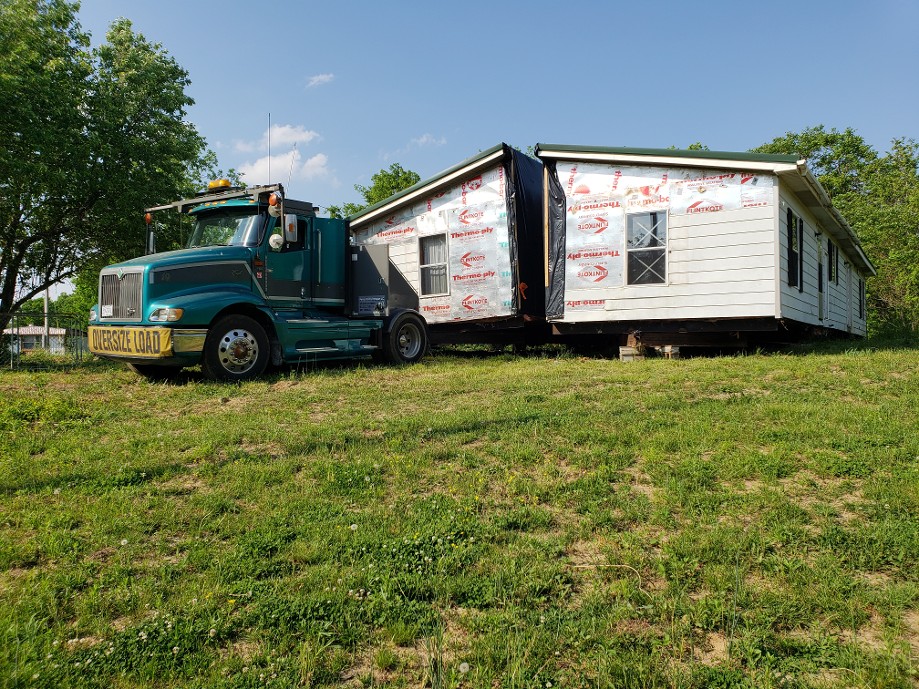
(555,290)
(525,224)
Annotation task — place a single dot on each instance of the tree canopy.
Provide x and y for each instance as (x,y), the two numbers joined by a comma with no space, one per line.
(384,184)
(91,136)
(878,193)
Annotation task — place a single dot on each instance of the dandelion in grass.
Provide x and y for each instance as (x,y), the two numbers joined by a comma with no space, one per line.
(124,541)
(353,527)
(464,668)
(212,633)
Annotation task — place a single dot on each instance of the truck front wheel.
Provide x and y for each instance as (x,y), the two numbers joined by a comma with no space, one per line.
(236,348)
(407,340)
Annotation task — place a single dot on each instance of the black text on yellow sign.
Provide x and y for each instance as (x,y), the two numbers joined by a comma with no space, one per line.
(140,342)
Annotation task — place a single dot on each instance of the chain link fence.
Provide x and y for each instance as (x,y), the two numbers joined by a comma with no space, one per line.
(43,340)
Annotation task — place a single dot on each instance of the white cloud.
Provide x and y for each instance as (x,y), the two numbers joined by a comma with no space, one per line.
(319,80)
(282,136)
(285,166)
(428,140)
(422,141)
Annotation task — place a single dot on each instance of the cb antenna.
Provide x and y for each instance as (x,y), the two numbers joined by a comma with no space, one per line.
(269,148)
(290,172)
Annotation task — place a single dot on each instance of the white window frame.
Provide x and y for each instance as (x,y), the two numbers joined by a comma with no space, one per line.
(665,249)
(445,263)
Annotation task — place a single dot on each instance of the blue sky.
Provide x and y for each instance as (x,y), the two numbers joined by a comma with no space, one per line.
(352,86)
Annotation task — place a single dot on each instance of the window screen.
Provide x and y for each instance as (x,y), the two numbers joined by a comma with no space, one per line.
(646,243)
(434,265)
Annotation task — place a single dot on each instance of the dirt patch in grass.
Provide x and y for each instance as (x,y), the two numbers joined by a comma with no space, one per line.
(102,555)
(641,483)
(753,485)
(869,635)
(877,580)
(184,484)
(714,649)
(812,491)
(270,449)
(455,633)
(585,554)
(244,649)
(121,623)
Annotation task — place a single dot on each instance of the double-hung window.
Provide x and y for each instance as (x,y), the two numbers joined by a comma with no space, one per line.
(646,245)
(433,255)
(833,264)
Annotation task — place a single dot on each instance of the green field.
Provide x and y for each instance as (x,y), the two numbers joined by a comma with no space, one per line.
(477,520)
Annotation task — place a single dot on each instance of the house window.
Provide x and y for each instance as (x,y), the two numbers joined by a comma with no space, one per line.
(833,263)
(795,226)
(646,244)
(433,251)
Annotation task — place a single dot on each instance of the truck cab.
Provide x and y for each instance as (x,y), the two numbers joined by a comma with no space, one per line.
(262,281)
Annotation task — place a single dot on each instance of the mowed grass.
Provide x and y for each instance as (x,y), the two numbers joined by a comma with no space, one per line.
(472,521)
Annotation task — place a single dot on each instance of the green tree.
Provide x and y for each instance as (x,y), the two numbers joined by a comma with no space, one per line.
(878,193)
(695,146)
(384,184)
(840,160)
(91,137)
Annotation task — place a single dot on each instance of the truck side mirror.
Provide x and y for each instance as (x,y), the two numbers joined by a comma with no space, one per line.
(290,228)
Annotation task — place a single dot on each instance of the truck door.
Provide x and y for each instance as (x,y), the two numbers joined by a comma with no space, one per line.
(289,271)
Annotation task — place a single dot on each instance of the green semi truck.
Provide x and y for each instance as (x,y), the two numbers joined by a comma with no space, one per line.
(263,281)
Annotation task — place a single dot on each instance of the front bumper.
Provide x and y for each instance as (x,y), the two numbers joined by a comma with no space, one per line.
(145,344)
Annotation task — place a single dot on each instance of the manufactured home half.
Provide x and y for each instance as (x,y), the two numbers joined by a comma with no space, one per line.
(466,245)
(677,245)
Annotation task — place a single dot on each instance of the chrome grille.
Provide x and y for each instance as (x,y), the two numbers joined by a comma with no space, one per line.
(121,296)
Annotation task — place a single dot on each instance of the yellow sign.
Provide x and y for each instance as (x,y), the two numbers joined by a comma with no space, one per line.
(146,343)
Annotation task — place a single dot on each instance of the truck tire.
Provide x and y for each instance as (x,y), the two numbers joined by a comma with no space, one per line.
(156,373)
(236,348)
(407,340)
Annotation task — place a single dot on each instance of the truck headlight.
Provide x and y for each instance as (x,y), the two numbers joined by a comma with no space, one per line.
(166,315)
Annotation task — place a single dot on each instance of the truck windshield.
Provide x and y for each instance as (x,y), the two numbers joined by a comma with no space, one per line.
(225,228)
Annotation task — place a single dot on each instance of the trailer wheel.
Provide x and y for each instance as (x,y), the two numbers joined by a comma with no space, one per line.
(407,340)
(236,348)
(156,373)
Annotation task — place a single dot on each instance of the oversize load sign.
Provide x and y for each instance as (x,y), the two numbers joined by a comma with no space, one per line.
(145,343)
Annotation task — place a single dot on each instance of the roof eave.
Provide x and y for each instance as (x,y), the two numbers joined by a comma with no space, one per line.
(462,170)
(760,162)
(818,202)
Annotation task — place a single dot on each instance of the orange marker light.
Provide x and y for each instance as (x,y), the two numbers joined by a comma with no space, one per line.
(148,218)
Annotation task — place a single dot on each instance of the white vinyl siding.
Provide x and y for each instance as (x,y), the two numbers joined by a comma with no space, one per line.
(720,265)
(404,256)
(803,305)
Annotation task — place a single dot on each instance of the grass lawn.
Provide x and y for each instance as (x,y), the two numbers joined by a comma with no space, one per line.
(472,521)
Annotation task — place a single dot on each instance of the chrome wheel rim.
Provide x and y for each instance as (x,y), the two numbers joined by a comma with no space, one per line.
(237,351)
